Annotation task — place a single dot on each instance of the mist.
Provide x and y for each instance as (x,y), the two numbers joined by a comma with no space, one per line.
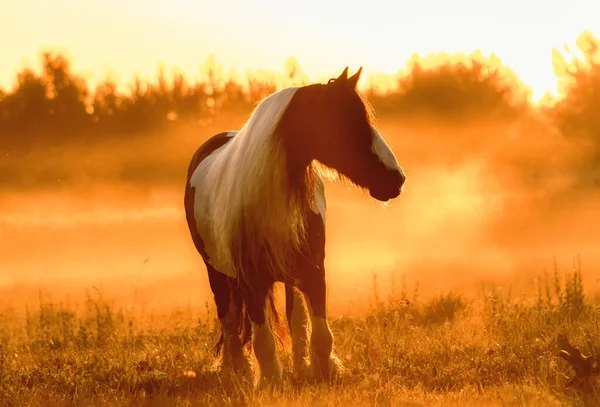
(465,218)
(499,191)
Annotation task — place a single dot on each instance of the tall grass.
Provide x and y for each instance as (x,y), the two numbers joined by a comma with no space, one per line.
(491,348)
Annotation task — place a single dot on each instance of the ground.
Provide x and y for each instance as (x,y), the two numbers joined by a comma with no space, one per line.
(485,350)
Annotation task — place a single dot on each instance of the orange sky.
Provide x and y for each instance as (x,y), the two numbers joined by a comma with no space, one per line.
(128,36)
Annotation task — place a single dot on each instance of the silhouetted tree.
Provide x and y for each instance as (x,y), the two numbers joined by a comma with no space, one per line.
(26,108)
(186,100)
(235,97)
(452,86)
(67,95)
(579,87)
(106,105)
(3,110)
(294,74)
(214,84)
(260,86)
(576,112)
(139,112)
(58,105)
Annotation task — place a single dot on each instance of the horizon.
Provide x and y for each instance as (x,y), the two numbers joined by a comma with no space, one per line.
(134,42)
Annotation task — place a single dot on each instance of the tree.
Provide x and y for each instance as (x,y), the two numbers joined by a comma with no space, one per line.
(187,100)
(139,112)
(67,94)
(214,84)
(3,111)
(27,107)
(576,112)
(294,74)
(579,89)
(455,86)
(107,104)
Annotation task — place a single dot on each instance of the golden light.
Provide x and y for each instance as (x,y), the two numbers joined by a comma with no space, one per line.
(134,37)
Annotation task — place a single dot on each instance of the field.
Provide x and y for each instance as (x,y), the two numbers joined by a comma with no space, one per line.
(489,350)
(452,295)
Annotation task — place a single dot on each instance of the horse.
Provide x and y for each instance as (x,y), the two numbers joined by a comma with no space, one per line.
(256,210)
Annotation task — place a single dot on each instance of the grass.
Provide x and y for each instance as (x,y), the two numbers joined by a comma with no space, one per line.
(489,349)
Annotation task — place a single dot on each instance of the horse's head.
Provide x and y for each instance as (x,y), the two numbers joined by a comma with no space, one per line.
(339,133)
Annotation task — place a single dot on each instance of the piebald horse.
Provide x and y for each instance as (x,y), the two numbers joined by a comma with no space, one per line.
(255,206)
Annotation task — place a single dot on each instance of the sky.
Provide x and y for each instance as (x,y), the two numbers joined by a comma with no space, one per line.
(124,37)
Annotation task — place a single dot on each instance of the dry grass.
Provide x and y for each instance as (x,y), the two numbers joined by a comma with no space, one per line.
(489,349)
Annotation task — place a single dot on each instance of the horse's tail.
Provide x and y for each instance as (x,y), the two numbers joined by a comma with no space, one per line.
(244,323)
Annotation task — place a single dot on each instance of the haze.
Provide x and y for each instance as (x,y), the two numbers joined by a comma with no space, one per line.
(92,184)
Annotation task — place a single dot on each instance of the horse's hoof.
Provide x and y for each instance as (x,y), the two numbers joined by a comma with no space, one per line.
(332,374)
(270,383)
(336,369)
(302,371)
(241,371)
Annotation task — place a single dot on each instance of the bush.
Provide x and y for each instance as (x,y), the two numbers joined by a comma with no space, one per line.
(575,113)
(454,87)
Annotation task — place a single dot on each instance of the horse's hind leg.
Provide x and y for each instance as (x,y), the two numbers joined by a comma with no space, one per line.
(298,322)
(263,340)
(229,306)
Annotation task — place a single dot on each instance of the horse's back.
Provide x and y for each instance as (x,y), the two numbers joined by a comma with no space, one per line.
(207,148)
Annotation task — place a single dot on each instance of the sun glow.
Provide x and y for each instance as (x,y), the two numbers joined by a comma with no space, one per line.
(134,36)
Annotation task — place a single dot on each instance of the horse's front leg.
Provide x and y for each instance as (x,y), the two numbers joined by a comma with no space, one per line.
(325,365)
(309,277)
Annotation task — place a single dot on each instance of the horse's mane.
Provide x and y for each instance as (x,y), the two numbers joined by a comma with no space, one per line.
(257,221)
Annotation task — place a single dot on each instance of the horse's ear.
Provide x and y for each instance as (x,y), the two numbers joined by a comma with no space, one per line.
(343,78)
(353,80)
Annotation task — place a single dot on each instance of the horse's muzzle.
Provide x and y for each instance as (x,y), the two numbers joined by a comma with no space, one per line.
(388,186)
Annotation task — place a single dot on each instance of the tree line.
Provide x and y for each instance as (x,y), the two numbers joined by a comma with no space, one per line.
(58,105)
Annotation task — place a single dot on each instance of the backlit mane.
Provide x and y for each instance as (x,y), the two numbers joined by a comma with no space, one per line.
(254,216)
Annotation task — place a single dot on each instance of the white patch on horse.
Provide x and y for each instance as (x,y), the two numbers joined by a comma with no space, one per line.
(264,349)
(202,213)
(246,176)
(321,346)
(384,152)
